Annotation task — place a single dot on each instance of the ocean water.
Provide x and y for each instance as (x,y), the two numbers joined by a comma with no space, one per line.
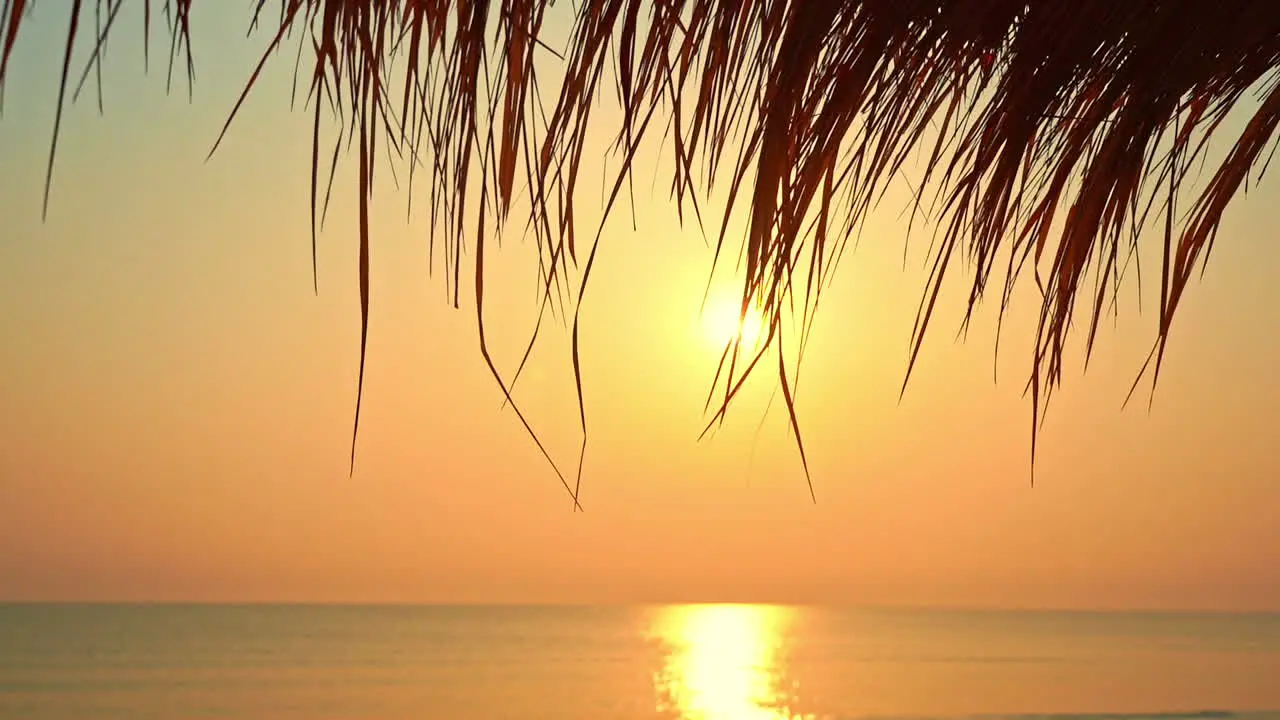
(689,662)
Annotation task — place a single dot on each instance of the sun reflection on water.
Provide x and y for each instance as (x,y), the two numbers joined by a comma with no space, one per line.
(724,662)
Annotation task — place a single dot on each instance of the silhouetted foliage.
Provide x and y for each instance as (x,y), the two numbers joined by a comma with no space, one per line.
(1052,130)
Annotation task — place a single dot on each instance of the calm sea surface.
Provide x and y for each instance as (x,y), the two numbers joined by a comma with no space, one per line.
(694,662)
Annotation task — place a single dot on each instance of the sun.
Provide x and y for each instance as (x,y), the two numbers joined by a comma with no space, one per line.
(725,324)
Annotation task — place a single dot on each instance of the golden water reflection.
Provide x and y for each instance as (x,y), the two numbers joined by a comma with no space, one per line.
(724,662)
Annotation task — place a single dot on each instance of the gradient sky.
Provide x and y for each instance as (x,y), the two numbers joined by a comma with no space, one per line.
(176,402)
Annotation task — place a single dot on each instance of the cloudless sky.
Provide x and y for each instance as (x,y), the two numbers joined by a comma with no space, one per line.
(175,401)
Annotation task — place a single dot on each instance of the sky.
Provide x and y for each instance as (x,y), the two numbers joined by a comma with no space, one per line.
(177,401)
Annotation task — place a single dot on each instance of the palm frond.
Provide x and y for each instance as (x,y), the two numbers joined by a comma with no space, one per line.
(1053,132)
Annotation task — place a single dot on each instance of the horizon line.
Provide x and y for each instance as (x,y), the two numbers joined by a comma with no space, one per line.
(531,604)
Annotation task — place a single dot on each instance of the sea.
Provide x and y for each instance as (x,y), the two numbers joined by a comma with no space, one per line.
(690,662)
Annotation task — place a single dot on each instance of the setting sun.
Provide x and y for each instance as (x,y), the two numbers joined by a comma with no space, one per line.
(726,324)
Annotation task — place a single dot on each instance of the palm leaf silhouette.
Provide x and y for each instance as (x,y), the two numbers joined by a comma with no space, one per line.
(1053,131)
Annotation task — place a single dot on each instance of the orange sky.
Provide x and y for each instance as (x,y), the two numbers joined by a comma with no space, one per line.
(178,402)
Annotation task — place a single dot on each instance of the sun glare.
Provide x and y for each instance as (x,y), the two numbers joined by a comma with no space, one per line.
(725,324)
(724,663)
